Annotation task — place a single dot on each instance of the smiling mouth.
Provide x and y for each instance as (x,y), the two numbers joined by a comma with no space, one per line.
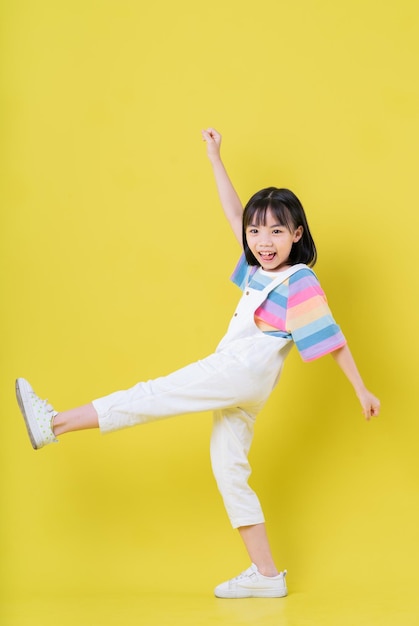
(267,256)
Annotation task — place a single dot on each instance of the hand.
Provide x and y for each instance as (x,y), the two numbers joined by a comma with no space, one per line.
(213,141)
(370,404)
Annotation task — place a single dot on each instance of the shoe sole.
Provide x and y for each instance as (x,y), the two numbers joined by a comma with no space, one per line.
(20,399)
(259,594)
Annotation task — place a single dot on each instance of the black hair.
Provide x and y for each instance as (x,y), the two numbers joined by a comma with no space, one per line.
(289,212)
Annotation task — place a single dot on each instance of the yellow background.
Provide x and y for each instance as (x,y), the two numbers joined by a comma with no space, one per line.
(115,264)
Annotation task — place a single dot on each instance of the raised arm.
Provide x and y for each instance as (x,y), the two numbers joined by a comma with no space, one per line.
(370,404)
(230,201)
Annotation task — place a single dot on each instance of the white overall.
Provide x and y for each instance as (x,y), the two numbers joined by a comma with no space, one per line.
(234,382)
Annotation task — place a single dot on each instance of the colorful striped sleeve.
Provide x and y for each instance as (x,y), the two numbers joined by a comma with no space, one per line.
(241,272)
(309,319)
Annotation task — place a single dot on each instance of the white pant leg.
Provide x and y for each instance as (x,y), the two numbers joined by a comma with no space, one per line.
(230,444)
(219,381)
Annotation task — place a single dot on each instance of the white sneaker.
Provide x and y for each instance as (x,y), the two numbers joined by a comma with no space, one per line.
(252,584)
(37,414)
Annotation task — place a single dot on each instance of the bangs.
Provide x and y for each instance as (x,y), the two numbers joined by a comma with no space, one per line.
(256,214)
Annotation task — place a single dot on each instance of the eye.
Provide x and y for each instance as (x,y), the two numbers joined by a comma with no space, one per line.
(277,231)
(252,231)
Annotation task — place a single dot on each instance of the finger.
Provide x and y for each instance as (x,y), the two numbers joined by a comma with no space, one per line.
(367,411)
(375,409)
(207,136)
(214,134)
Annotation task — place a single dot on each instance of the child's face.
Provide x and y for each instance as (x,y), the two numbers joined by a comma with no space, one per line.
(271,243)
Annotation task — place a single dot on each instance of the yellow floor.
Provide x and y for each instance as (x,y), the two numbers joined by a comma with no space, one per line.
(151,609)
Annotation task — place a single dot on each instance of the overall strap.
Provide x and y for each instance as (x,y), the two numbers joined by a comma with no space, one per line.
(281,277)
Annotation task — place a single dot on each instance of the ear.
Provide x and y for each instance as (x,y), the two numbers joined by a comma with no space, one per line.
(298,234)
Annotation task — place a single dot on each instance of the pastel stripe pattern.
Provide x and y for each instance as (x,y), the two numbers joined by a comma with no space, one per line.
(296,309)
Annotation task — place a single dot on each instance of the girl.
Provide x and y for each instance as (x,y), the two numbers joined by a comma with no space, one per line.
(282,304)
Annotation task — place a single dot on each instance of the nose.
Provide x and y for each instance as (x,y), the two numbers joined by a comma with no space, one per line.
(265,239)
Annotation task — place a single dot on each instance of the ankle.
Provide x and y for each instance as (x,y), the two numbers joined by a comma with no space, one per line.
(268,571)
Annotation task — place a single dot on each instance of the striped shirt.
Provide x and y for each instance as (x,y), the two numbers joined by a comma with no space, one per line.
(296,309)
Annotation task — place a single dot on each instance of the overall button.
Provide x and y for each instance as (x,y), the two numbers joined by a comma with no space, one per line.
(247,293)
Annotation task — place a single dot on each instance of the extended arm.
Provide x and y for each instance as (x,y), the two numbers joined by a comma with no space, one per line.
(230,201)
(370,404)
